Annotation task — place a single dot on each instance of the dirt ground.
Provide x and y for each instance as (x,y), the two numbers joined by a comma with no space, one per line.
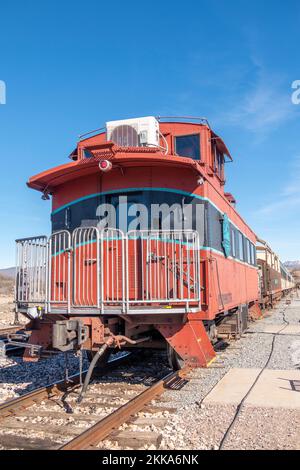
(6,286)
(7,313)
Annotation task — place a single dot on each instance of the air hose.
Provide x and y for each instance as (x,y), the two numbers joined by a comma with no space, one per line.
(94,361)
(118,341)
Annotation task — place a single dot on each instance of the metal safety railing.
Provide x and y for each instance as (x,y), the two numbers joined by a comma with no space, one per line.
(164,267)
(59,275)
(86,262)
(113,268)
(109,269)
(32,269)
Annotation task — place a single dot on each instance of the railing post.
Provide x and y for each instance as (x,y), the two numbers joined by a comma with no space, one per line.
(49,273)
(124,275)
(127,306)
(98,271)
(69,281)
(102,272)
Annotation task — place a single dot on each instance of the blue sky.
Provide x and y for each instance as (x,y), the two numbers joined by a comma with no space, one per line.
(70,66)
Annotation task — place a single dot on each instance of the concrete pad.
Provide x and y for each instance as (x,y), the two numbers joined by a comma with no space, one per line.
(232,387)
(295,304)
(288,330)
(291,330)
(269,328)
(274,389)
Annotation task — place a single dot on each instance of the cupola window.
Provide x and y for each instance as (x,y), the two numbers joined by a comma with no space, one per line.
(188,146)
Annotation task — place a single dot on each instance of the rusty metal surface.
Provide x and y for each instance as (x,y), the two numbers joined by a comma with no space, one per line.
(97,432)
(10,329)
(104,427)
(190,341)
(10,407)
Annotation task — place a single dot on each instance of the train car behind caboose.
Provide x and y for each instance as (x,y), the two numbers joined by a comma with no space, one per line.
(275,280)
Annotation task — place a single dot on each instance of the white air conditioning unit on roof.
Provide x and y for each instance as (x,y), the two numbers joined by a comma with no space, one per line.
(137,132)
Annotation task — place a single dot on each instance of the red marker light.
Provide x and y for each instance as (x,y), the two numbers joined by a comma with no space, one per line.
(105,165)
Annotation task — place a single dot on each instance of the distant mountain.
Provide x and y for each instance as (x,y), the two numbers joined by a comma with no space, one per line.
(292,265)
(8,272)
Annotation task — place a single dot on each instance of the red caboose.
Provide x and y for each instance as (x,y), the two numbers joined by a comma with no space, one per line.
(147,249)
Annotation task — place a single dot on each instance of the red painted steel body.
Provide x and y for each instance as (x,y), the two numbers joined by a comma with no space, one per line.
(227,283)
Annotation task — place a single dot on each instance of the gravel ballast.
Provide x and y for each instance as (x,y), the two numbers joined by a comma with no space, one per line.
(202,426)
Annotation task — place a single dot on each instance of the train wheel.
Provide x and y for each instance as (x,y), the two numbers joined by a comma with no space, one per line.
(213,333)
(174,360)
(102,361)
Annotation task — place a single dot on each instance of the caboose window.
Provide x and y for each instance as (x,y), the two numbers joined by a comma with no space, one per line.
(248,252)
(219,162)
(252,254)
(241,246)
(233,249)
(188,146)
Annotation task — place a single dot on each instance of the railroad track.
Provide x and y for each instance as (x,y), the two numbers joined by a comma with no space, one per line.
(54,420)
(113,412)
(10,349)
(4,331)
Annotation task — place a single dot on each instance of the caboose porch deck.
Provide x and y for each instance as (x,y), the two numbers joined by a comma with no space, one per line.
(92,272)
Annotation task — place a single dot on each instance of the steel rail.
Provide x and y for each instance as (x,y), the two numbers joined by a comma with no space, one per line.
(9,408)
(105,426)
(11,329)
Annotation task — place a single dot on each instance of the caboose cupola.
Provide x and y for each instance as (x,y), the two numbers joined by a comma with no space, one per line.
(144,142)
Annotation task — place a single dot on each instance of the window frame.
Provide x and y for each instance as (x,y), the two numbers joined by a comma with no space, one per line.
(241,245)
(198,134)
(218,163)
(254,255)
(248,243)
(251,254)
(233,243)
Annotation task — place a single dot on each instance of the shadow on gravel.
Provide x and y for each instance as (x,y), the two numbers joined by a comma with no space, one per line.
(144,368)
(221,345)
